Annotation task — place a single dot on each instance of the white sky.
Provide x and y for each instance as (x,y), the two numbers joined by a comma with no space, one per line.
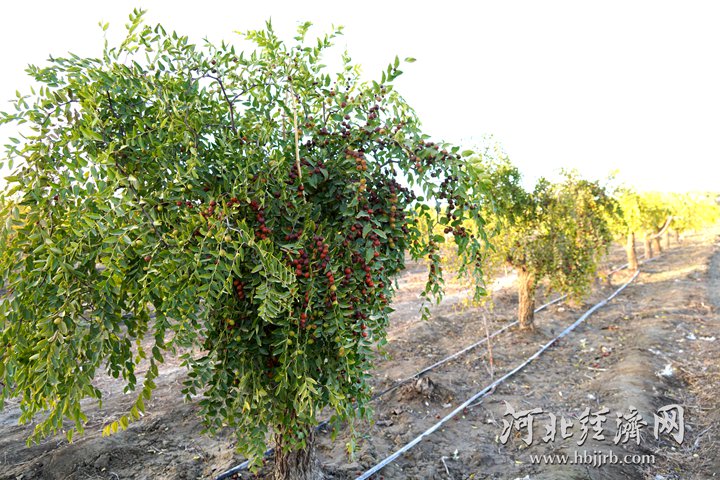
(597,86)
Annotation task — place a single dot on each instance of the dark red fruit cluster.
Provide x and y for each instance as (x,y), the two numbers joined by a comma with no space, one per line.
(348,276)
(457,231)
(304,317)
(302,264)
(321,253)
(317,169)
(373,112)
(361,317)
(239,288)
(292,175)
(360,163)
(333,288)
(293,235)
(369,282)
(210,210)
(262,232)
(271,362)
(321,247)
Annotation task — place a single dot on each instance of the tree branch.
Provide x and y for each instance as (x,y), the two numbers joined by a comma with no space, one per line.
(297,133)
(664,227)
(229,102)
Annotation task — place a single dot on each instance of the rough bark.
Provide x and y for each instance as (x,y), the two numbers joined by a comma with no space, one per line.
(648,250)
(300,464)
(631,252)
(526,299)
(656,244)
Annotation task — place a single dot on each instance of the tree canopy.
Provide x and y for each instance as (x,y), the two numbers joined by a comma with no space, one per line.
(250,207)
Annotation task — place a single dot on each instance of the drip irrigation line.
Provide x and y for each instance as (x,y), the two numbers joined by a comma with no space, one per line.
(485,391)
(420,373)
(641,262)
(240,468)
(615,270)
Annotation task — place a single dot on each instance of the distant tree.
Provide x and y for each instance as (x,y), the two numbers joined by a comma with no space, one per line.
(631,220)
(657,216)
(692,211)
(558,232)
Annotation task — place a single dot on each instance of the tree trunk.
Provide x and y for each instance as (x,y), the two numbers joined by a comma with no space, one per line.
(656,244)
(667,240)
(648,247)
(301,464)
(631,252)
(677,237)
(526,299)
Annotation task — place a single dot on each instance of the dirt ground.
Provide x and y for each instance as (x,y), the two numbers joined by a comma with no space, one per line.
(656,344)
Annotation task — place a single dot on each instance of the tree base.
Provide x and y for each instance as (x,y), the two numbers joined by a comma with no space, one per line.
(299,464)
(631,253)
(526,299)
(527,328)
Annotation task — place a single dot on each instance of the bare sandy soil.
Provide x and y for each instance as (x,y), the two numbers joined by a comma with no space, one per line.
(656,344)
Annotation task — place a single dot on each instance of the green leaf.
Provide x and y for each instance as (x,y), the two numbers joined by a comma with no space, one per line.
(369,254)
(89,134)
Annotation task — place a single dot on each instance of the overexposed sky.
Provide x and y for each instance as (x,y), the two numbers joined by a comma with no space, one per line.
(597,86)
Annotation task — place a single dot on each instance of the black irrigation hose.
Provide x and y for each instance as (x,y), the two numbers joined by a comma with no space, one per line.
(244,465)
(487,390)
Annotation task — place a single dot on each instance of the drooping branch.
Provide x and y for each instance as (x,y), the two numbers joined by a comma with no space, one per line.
(665,226)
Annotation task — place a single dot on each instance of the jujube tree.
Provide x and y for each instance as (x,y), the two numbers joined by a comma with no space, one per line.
(558,232)
(657,217)
(251,207)
(631,220)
